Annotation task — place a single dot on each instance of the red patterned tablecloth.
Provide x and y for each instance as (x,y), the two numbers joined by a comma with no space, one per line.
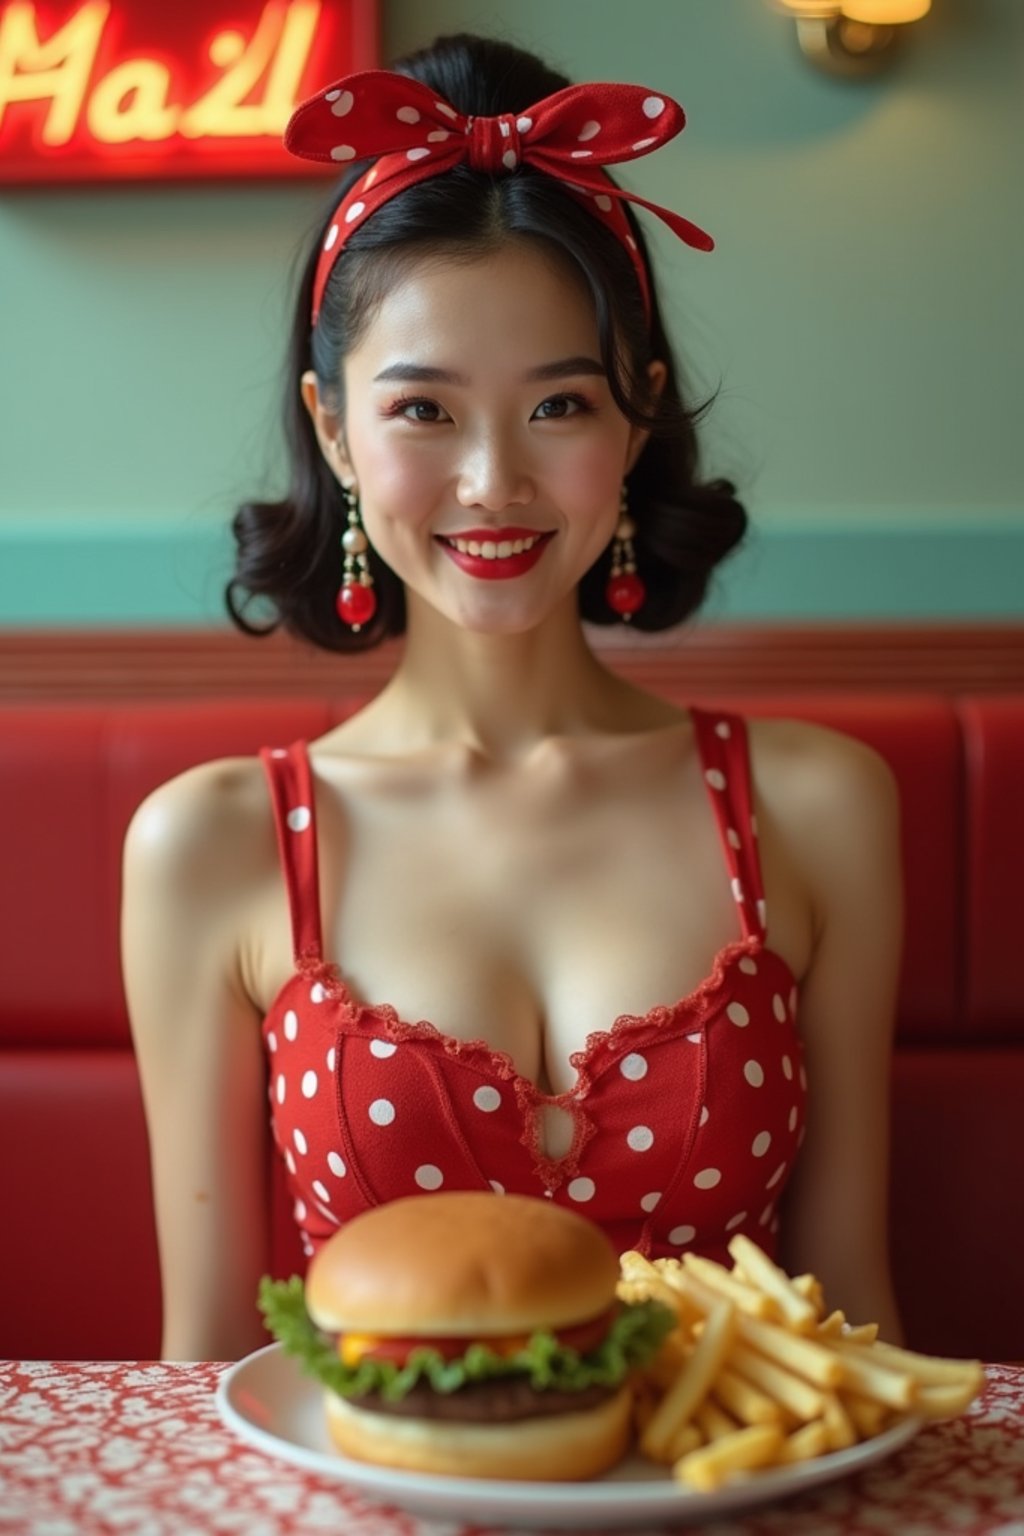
(89,1448)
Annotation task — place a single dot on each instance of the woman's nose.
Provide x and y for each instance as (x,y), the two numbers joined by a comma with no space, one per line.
(493,475)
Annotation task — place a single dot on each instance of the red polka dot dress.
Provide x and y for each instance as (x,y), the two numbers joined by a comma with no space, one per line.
(687,1119)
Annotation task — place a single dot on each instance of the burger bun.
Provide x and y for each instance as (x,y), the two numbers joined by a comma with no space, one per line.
(558,1447)
(465,1264)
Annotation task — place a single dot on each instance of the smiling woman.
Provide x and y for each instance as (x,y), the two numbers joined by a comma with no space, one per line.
(586,248)
(511,437)
(639,960)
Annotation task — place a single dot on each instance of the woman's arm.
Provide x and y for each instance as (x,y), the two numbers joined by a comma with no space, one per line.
(199,1052)
(842,815)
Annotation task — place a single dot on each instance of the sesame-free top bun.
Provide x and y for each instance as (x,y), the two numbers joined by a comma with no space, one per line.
(462,1264)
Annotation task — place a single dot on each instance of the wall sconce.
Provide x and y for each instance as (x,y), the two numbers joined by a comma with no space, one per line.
(852,37)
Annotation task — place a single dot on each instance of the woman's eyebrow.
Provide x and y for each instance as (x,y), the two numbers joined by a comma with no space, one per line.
(565,368)
(417,373)
(423,373)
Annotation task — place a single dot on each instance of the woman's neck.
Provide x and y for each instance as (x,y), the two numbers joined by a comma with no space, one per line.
(500,696)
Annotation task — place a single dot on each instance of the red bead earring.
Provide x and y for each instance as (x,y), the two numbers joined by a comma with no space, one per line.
(356,601)
(625,591)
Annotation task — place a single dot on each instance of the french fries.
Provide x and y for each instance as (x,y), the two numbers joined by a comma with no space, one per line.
(691,1385)
(744,1400)
(758,1445)
(795,1307)
(757,1374)
(806,1443)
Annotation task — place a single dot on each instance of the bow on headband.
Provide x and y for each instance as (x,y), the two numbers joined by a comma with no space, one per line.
(412,134)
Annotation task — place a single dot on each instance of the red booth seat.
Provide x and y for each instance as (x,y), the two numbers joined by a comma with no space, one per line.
(80,1276)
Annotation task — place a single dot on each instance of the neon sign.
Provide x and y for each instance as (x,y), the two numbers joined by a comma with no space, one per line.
(124,90)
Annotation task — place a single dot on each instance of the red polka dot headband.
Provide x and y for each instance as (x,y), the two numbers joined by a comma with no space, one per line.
(413,134)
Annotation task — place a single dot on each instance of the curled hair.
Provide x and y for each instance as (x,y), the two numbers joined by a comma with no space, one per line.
(288,556)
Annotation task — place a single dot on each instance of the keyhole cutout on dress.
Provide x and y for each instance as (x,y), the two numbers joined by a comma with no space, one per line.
(558,1127)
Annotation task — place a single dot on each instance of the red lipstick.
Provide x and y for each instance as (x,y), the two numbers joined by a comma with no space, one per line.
(493,567)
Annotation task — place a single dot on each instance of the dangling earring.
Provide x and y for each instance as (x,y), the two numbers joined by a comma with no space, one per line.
(625,591)
(356,601)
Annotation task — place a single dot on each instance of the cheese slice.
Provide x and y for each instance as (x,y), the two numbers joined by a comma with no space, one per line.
(353,1346)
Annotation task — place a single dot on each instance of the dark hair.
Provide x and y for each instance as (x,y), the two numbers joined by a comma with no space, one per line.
(288,552)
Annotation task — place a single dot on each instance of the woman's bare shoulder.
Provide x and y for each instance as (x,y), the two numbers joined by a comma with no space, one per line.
(210,825)
(814,769)
(834,799)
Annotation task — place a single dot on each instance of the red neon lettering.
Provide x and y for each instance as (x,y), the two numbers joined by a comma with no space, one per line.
(282,40)
(56,71)
(131,102)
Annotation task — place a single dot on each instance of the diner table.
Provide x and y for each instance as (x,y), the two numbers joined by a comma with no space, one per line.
(139,1448)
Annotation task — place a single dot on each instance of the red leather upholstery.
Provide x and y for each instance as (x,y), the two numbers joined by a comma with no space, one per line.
(70,1110)
(994,750)
(80,1274)
(957,1211)
(70,779)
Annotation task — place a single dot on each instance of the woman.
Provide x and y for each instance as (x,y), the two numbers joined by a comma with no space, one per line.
(605,906)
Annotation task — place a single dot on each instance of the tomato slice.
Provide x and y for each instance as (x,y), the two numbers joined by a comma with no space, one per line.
(399,1349)
(582,1337)
(587,1336)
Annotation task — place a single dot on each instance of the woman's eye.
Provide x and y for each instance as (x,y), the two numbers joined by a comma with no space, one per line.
(420,410)
(557,407)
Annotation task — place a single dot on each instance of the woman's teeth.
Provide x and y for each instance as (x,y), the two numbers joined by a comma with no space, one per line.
(491,551)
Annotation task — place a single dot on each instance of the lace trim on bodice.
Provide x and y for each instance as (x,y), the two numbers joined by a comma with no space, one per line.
(600,1048)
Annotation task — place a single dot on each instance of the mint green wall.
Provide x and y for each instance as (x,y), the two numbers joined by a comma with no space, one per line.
(862,316)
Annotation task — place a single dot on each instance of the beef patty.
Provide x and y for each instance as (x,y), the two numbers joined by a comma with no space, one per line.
(501,1400)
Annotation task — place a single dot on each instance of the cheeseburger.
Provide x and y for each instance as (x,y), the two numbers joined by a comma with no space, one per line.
(475,1334)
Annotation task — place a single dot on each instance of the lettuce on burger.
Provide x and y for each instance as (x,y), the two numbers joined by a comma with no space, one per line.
(470,1333)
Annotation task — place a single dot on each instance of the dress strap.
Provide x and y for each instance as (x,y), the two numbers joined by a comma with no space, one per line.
(291,792)
(725,760)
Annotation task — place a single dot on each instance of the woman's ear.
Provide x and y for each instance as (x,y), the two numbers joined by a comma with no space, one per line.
(657,375)
(327,426)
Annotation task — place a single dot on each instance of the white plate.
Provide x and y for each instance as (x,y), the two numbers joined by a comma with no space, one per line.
(267,1400)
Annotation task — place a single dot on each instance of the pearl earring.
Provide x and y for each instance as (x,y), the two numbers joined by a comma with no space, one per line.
(356,602)
(625,591)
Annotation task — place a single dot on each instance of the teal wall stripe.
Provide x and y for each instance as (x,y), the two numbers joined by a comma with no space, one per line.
(934,575)
(166,576)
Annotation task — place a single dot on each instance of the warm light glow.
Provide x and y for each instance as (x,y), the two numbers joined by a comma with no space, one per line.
(226,48)
(885,13)
(851,38)
(813,8)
